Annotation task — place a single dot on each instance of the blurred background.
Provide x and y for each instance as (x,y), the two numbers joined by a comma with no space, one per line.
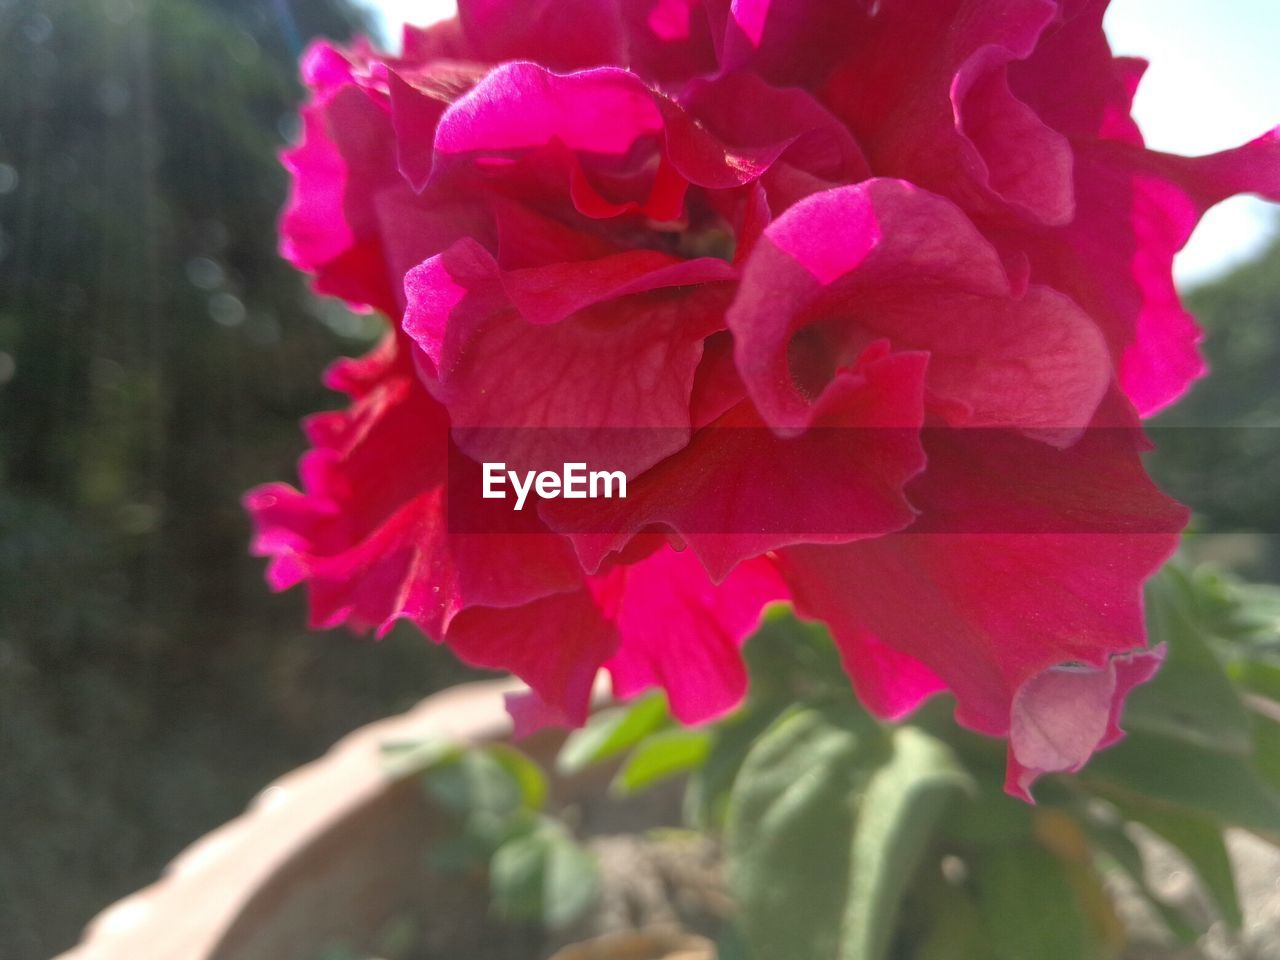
(155,356)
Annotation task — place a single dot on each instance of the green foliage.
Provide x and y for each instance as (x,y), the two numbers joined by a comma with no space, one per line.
(497,798)
(901,807)
(1193,746)
(543,875)
(1194,700)
(849,839)
(155,356)
(790,817)
(1217,444)
(666,754)
(1029,906)
(612,731)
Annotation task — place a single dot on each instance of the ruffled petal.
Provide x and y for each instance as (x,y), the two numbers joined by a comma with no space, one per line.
(946,117)
(1025,557)
(669,41)
(683,634)
(369,532)
(1137,209)
(1064,714)
(329,229)
(738,490)
(788,42)
(349,206)
(885,260)
(555,644)
(563,34)
(617,344)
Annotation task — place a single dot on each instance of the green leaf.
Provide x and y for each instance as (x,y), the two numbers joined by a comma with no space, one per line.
(1191,698)
(475,782)
(543,876)
(1200,841)
(710,785)
(667,754)
(1184,776)
(611,732)
(494,791)
(527,774)
(1029,905)
(990,816)
(1266,746)
(462,852)
(900,809)
(1258,674)
(517,875)
(791,660)
(956,930)
(572,884)
(789,829)
(1247,614)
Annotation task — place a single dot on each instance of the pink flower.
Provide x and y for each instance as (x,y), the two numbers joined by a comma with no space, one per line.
(865,299)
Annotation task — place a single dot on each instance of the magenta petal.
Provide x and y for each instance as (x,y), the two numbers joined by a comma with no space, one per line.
(738,126)
(946,117)
(563,34)
(884,260)
(889,683)
(546,295)
(623,148)
(418,100)
(556,644)
(789,42)
(1064,714)
(529,714)
(439,41)
(368,532)
(683,634)
(1097,98)
(1137,210)
(669,41)
(613,380)
(347,155)
(1028,164)
(1026,557)
(738,491)
(520,106)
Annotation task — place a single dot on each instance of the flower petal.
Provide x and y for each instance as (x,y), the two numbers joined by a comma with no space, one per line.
(1064,714)
(625,358)
(946,117)
(563,34)
(882,259)
(369,532)
(1024,557)
(681,633)
(738,491)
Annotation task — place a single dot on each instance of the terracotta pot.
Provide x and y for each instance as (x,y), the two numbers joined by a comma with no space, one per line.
(333,850)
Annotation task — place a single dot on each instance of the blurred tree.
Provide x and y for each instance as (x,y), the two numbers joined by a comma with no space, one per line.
(155,355)
(1219,448)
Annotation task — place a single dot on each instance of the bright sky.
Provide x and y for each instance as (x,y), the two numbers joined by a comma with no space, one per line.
(1214,82)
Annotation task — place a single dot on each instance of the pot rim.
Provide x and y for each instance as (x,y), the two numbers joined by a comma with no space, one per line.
(212,883)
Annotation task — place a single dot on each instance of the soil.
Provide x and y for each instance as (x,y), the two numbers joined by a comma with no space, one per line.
(1257,868)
